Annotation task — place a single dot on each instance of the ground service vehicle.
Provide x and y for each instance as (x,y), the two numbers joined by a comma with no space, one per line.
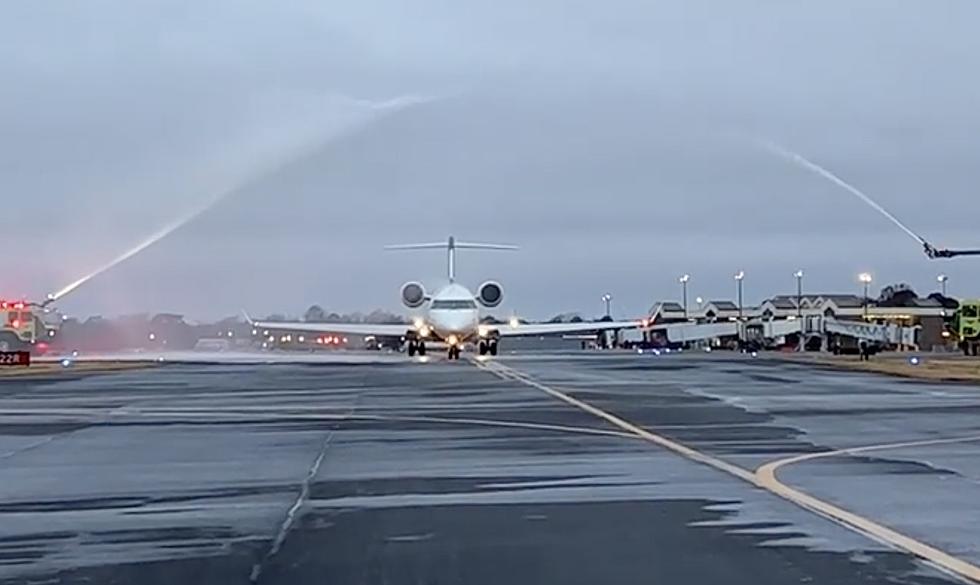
(23,327)
(967,326)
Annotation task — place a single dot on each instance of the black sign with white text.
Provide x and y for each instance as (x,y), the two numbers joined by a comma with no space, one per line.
(15,358)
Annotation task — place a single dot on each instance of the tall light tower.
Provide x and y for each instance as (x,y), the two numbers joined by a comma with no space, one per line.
(607,298)
(799,292)
(683,280)
(739,277)
(799,305)
(865,279)
(942,279)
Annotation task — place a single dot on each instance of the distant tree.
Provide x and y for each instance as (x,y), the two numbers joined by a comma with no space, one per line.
(379,316)
(315,314)
(171,331)
(946,302)
(566,318)
(897,295)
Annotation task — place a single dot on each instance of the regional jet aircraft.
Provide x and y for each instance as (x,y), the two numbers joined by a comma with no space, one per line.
(451,314)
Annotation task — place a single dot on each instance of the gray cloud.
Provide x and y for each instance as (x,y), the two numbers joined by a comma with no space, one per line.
(606,140)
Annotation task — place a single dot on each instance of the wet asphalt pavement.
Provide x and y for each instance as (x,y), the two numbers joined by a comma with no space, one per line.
(398,472)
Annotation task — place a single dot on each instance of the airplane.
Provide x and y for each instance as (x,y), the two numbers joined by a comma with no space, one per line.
(452,314)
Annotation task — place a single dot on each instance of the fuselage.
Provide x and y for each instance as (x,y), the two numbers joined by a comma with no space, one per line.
(452,314)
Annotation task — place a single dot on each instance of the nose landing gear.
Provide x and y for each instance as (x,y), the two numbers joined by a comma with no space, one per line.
(453,352)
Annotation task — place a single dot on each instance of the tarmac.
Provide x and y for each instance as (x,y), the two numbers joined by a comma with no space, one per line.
(541,467)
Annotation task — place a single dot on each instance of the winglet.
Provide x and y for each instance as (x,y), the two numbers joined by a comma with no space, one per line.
(247,318)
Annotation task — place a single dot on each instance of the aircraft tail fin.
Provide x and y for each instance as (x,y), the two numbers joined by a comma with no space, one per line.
(451,246)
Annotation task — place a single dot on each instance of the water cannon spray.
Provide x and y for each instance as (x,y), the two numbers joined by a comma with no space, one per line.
(380,108)
(931,251)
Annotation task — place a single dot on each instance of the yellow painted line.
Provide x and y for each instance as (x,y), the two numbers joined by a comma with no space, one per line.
(765,478)
(772,466)
(627,426)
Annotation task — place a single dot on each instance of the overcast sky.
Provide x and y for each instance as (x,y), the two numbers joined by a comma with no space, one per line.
(617,143)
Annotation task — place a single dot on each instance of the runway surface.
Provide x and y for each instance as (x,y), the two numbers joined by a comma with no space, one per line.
(539,468)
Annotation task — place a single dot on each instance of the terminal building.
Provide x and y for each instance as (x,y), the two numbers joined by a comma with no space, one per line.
(924,317)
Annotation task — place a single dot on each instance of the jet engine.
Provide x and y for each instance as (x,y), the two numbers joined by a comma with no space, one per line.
(413,294)
(490,294)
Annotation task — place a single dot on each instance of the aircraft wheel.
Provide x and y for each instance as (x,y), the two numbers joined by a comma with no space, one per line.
(483,348)
(421,348)
(493,348)
(411,348)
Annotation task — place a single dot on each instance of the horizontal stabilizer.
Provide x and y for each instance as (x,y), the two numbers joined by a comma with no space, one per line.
(475,246)
(457,245)
(451,246)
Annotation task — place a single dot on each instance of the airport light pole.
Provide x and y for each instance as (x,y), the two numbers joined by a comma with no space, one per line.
(607,298)
(865,279)
(799,304)
(942,279)
(683,280)
(739,277)
(799,293)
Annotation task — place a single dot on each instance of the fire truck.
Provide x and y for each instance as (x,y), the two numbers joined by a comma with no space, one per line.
(966,324)
(26,327)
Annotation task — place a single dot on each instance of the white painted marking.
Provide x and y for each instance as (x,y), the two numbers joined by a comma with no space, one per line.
(765,478)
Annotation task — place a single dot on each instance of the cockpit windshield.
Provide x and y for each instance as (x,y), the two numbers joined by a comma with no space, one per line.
(453,304)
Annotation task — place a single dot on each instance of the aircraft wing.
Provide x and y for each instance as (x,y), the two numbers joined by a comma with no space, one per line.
(343,328)
(506,330)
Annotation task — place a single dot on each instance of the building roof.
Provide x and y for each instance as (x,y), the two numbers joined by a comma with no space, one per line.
(844,300)
(783,302)
(927,303)
(724,305)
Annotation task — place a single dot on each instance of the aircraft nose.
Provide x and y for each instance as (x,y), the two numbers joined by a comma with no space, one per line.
(461,321)
(457,321)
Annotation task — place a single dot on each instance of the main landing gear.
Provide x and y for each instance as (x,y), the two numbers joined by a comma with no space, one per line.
(416,347)
(488,346)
